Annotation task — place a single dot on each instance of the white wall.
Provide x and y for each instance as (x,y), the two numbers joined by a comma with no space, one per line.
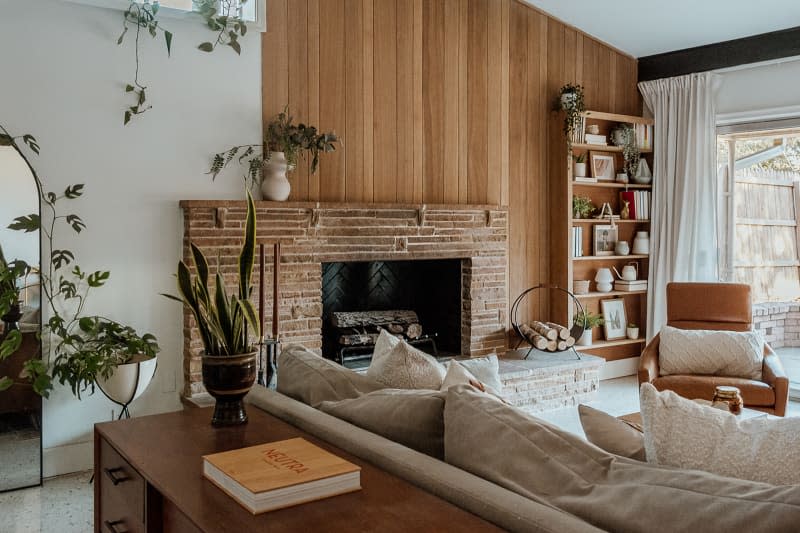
(63,77)
(18,197)
(759,87)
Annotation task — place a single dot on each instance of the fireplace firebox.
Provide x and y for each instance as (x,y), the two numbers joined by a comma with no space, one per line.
(420,301)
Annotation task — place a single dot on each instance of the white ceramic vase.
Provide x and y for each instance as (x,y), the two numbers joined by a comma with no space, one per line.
(633,333)
(641,244)
(579,170)
(585,339)
(275,186)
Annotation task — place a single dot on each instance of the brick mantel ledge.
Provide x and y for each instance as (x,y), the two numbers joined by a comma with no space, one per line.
(262,204)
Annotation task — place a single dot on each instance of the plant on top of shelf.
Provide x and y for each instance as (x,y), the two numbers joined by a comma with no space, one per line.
(588,320)
(625,136)
(580,158)
(582,207)
(570,99)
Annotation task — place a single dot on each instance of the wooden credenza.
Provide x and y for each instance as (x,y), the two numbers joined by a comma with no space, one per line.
(148,478)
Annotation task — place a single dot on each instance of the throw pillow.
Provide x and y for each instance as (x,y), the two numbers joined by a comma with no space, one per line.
(457,374)
(413,418)
(398,365)
(486,369)
(312,379)
(611,434)
(686,434)
(719,353)
(528,456)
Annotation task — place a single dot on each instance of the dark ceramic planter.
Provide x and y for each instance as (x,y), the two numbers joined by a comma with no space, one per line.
(228,379)
(11,319)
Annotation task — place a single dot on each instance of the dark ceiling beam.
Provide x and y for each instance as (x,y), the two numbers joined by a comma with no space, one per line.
(762,47)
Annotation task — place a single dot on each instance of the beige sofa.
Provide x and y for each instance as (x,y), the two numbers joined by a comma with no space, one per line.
(524,475)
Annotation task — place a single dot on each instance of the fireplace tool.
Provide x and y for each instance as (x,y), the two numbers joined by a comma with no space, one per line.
(269,348)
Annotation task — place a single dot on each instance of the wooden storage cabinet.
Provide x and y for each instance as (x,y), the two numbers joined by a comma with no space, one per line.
(564,267)
(121,506)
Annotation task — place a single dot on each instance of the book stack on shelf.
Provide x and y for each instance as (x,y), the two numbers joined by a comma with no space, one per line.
(599,140)
(578,134)
(638,204)
(577,241)
(629,286)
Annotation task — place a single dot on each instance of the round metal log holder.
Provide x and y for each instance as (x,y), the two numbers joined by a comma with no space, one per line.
(576,331)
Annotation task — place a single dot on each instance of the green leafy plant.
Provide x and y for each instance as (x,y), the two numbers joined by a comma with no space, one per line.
(142,17)
(571,101)
(632,325)
(588,320)
(222,16)
(582,207)
(280,135)
(222,320)
(580,158)
(630,148)
(80,347)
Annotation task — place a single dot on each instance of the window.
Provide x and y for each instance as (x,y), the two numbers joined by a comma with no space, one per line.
(251,11)
(759,234)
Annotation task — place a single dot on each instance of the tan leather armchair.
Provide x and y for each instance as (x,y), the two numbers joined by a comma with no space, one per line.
(720,306)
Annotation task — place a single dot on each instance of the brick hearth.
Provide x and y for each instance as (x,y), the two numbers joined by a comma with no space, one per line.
(313,233)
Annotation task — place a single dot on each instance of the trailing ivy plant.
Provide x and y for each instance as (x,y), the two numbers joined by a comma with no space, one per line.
(81,347)
(570,99)
(142,17)
(280,135)
(630,148)
(222,16)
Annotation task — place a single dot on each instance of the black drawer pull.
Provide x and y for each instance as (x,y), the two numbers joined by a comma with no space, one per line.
(112,475)
(112,526)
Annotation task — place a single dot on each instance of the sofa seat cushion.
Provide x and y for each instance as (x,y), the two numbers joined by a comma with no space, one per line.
(754,393)
(414,418)
(312,379)
(535,459)
(682,433)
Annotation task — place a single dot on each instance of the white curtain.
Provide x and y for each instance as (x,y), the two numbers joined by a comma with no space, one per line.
(683,241)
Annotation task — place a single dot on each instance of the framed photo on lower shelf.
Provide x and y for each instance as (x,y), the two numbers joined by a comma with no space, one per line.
(614,320)
(605,238)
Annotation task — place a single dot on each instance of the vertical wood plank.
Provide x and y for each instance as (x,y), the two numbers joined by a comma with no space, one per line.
(578,58)
(570,43)
(298,38)
(504,104)
(419,141)
(434,103)
(354,101)
(369,92)
(385,100)
(605,83)
(463,115)
(405,102)
(590,73)
(275,57)
(477,101)
(494,103)
(332,98)
(313,85)
(450,83)
(542,92)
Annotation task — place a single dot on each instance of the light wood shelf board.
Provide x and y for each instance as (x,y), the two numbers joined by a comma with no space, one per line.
(616,117)
(611,185)
(593,295)
(609,257)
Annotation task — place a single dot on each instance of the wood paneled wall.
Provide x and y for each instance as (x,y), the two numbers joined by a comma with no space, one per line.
(438,101)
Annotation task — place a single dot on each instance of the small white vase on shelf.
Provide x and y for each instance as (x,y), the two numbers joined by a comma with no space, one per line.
(579,170)
(275,186)
(585,339)
(633,333)
(641,244)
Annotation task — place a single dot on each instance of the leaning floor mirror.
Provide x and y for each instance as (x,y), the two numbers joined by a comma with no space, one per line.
(20,257)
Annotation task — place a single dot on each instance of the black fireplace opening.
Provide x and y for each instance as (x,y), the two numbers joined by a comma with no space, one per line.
(427,289)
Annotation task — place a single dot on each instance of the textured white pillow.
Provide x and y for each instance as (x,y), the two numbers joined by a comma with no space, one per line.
(680,432)
(457,374)
(719,353)
(398,365)
(486,369)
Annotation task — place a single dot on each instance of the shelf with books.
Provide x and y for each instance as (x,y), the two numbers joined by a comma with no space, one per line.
(572,237)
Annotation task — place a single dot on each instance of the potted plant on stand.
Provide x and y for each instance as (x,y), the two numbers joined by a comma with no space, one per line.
(284,143)
(229,358)
(570,100)
(588,321)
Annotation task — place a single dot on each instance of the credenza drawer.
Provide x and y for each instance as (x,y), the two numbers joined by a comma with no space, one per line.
(122,491)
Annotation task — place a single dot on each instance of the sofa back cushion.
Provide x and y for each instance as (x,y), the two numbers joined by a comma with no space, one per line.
(530,457)
(311,379)
(719,353)
(611,434)
(413,418)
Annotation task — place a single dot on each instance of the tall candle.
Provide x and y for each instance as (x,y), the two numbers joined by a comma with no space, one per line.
(275,295)
(261,291)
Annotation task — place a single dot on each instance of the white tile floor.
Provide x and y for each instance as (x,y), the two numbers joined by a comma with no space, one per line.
(64,504)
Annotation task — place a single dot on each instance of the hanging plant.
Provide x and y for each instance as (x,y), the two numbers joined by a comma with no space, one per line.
(81,347)
(625,136)
(223,17)
(570,100)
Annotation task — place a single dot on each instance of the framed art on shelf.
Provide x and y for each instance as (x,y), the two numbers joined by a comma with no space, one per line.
(614,318)
(602,165)
(605,238)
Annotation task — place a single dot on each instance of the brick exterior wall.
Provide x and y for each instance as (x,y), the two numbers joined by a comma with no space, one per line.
(779,323)
(313,233)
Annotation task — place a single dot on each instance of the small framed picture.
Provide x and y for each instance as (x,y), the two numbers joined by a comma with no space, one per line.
(614,319)
(602,165)
(605,238)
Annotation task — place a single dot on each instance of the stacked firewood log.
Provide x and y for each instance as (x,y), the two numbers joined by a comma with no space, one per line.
(361,328)
(547,336)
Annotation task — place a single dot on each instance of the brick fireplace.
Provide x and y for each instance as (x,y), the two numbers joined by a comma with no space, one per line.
(313,234)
